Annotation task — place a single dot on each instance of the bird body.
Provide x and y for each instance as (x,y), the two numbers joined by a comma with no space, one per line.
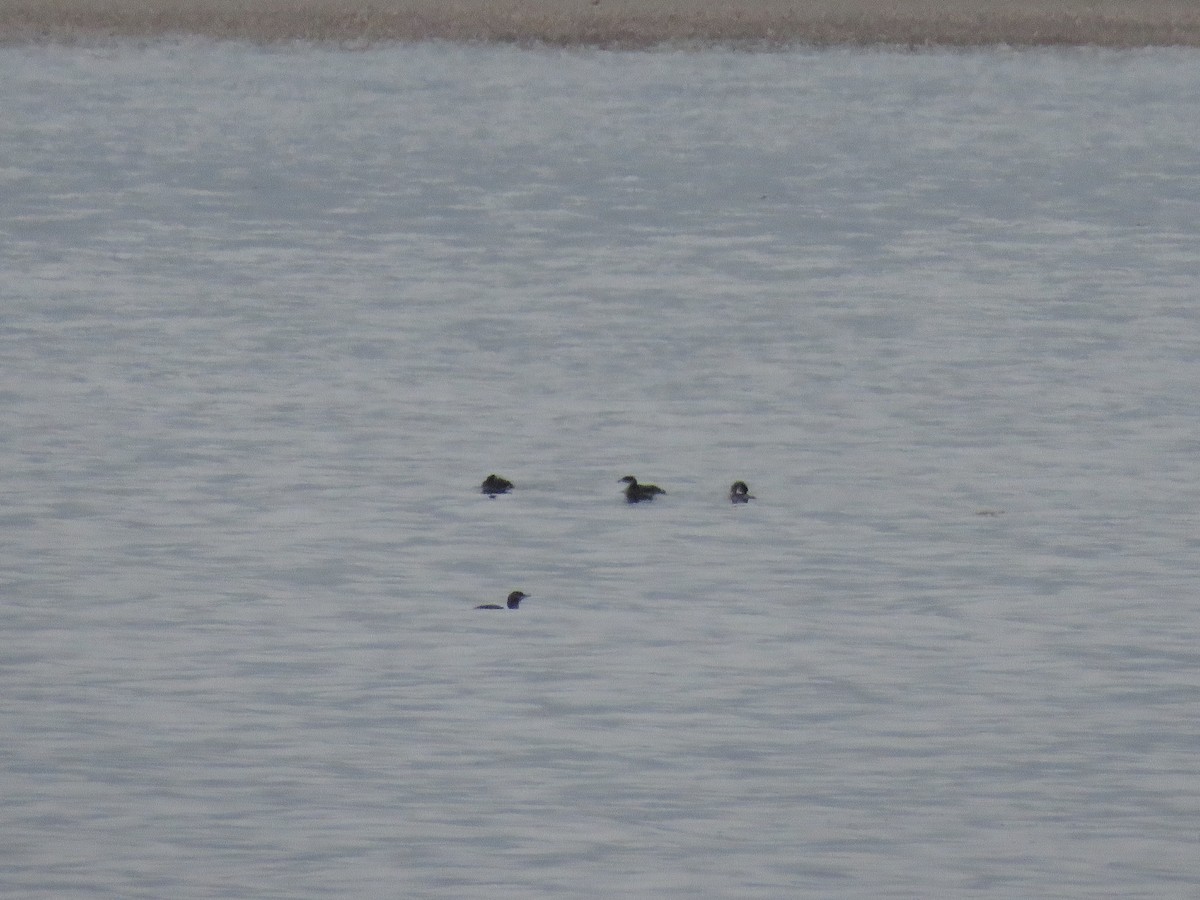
(636,493)
(739,492)
(494,484)
(514,601)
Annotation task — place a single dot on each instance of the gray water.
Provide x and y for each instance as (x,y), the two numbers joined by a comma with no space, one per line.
(270,316)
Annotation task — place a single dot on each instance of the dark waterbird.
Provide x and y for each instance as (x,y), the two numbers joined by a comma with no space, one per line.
(494,484)
(514,601)
(636,493)
(739,492)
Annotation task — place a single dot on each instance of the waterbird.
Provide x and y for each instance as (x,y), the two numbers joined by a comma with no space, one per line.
(636,493)
(514,601)
(739,492)
(494,484)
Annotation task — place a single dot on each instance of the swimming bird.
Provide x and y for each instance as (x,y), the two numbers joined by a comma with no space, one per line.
(739,492)
(514,601)
(494,484)
(636,493)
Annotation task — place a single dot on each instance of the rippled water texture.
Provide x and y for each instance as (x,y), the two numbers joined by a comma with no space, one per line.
(271,316)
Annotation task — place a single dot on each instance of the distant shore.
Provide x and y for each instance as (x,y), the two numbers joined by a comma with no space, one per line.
(619,23)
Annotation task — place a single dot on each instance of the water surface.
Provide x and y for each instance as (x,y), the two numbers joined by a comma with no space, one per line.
(272,315)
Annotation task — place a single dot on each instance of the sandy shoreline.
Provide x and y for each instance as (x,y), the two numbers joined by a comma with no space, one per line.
(620,23)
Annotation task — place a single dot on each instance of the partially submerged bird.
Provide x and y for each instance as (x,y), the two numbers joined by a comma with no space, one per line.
(739,492)
(636,493)
(494,484)
(514,601)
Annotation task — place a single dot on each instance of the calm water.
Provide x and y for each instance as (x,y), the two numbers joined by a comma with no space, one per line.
(271,316)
